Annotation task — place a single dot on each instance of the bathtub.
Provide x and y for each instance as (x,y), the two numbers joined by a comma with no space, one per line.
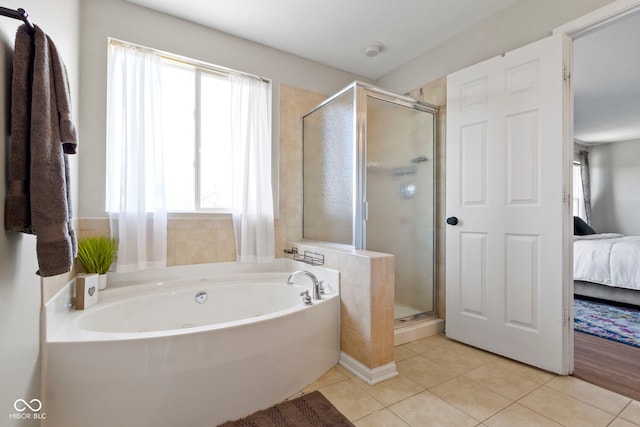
(149,354)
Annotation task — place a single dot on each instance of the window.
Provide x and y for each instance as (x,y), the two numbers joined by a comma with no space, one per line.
(196,136)
(184,136)
(195,127)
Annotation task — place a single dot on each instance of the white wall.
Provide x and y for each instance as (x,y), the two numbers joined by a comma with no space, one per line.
(522,23)
(19,285)
(615,176)
(122,20)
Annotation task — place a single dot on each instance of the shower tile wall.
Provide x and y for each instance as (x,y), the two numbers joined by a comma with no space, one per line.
(293,104)
(189,240)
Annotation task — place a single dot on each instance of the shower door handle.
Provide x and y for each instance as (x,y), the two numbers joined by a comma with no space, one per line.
(452,220)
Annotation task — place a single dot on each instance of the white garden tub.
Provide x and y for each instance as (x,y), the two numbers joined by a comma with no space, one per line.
(151,355)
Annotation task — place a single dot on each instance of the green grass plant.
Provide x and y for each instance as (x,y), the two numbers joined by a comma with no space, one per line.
(97,253)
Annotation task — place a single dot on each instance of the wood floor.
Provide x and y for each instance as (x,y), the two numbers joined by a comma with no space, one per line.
(608,364)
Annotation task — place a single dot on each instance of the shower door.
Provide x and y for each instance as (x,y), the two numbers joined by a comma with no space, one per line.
(328,171)
(399,198)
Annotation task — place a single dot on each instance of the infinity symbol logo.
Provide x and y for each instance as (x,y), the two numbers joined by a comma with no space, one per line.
(21,405)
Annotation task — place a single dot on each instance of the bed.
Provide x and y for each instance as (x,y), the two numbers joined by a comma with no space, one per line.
(607,266)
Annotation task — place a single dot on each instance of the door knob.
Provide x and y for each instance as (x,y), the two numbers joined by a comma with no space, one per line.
(452,220)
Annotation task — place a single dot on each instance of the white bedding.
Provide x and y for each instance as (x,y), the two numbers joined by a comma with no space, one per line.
(608,259)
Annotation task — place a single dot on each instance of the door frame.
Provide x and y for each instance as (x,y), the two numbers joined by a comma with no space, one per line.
(572,30)
(598,18)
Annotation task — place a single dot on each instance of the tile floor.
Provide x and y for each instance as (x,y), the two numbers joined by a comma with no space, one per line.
(445,383)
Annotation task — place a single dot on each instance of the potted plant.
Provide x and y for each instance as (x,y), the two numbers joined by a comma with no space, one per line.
(96,254)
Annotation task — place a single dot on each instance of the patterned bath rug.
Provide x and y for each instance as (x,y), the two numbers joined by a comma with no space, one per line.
(312,410)
(607,321)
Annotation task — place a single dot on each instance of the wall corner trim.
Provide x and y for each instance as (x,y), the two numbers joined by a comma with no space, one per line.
(369,375)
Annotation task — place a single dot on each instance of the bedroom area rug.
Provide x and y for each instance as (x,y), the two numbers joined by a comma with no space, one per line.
(312,410)
(612,322)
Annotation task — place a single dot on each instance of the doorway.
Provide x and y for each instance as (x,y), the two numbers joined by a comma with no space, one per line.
(474,298)
(606,132)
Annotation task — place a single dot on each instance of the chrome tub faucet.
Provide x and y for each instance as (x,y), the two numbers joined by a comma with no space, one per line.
(318,290)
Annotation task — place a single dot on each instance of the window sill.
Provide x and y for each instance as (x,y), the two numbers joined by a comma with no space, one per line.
(197,215)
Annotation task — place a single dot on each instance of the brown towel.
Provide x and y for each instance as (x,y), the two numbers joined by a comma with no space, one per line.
(18,208)
(40,184)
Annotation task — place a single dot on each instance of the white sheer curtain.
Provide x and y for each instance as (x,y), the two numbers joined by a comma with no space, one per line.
(253,217)
(586,184)
(135,175)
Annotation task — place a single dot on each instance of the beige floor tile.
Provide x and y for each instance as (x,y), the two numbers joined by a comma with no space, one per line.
(619,422)
(519,416)
(632,412)
(345,371)
(392,390)
(471,397)
(334,375)
(423,371)
(384,418)
(564,409)
(426,409)
(401,352)
(459,358)
(351,400)
(589,393)
(426,344)
(508,384)
(529,372)
(463,383)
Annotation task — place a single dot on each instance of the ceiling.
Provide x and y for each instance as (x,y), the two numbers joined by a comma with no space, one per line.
(335,33)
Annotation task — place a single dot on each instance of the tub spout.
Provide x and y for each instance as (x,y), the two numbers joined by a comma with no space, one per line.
(317,284)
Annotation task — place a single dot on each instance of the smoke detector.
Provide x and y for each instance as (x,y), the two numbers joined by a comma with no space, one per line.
(372,49)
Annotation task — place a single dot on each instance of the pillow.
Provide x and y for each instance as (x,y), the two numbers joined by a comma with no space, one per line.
(581,228)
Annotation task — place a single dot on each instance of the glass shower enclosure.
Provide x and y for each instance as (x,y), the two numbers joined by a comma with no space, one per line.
(368,182)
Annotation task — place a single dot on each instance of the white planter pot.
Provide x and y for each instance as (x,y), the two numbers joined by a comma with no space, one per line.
(102,281)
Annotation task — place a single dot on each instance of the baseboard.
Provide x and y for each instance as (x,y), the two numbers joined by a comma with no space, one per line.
(418,330)
(368,375)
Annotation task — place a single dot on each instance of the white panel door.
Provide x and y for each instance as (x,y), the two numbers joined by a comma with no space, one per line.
(504,257)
